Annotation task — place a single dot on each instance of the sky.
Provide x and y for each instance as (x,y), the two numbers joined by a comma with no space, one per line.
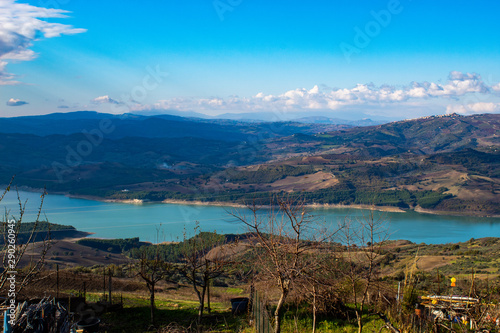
(395,59)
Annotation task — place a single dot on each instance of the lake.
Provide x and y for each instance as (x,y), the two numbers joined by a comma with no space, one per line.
(120,220)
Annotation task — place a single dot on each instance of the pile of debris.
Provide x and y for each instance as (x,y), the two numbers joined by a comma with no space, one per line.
(468,311)
(44,316)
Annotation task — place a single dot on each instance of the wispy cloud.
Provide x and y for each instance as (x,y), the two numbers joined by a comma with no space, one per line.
(15,102)
(458,84)
(22,24)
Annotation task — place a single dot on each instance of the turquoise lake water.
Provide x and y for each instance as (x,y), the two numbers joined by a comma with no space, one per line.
(119,220)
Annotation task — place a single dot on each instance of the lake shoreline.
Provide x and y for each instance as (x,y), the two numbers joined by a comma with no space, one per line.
(127,219)
(236,205)
(390,209)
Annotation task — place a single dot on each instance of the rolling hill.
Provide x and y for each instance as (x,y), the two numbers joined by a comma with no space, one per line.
(443,163)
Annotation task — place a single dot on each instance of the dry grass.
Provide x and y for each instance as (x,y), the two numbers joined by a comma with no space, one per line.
(313,182)
(70,254)
(429,263)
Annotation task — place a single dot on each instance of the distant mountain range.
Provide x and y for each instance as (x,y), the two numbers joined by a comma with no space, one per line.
(448,163)
(156,126)
(355,118)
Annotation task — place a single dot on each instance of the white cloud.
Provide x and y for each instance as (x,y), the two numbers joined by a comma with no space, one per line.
(15,102)
(20,26)
(104,100)
(474,108)
(496,87)
(362,95)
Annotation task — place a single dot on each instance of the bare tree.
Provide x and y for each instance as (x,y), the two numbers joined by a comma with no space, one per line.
(284,235)
(16,242)
(206,257)
(152,271)
(362,239)
(319,283)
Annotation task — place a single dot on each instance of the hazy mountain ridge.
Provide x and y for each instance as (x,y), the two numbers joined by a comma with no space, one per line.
(122,126)
(156,126)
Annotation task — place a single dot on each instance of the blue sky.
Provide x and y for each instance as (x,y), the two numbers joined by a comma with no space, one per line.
(396,59)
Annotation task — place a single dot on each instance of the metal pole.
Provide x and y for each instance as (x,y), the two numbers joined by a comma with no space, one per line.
(256,313)
(57,280)
(439,282)
(104,283)
(109,285)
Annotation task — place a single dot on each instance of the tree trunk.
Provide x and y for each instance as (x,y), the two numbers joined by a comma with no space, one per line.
(277,313)
(314,310)
(152,303)
(202,303)
(208,297)
(359,314)
(360,322)
(201,296)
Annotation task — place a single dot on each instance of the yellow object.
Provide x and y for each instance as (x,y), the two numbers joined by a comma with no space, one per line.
(434,301)
(453,280)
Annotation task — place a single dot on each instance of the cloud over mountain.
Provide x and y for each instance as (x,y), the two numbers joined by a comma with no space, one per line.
(474,108)
(458,84)
(15,102)
(104,100)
